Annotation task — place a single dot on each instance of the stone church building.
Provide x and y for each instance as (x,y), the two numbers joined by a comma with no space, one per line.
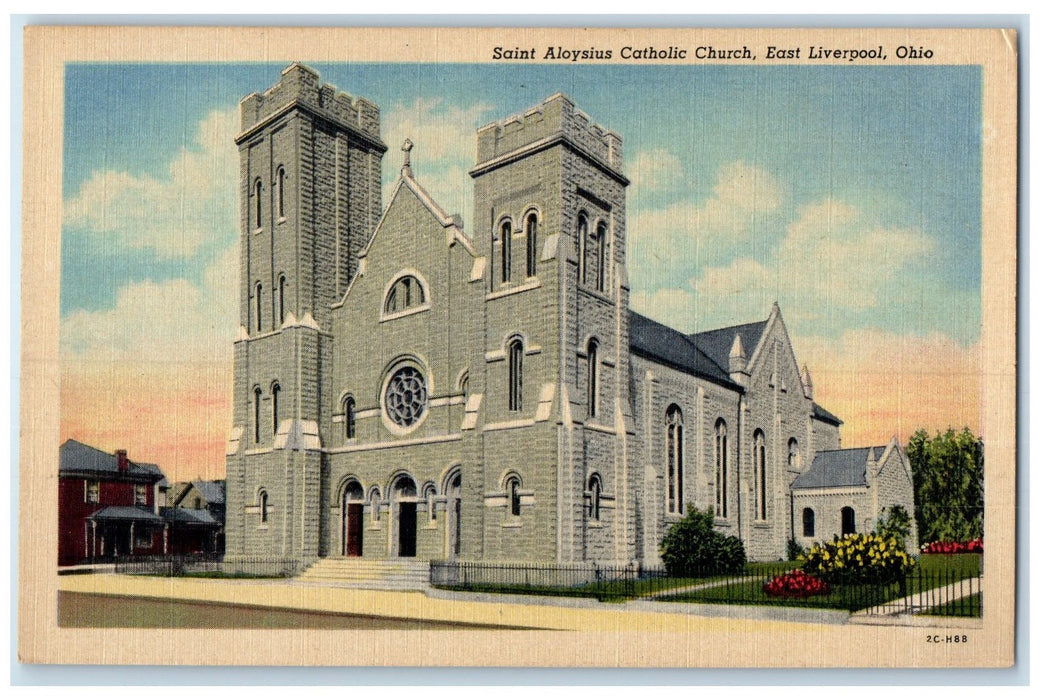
(406,387)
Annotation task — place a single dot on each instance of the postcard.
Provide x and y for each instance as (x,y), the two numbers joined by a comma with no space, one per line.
(518,347)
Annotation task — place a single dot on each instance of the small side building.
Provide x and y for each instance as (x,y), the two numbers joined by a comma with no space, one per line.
(196,517)
(847,491)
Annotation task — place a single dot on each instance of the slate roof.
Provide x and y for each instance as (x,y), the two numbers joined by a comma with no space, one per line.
(838,468)
(125,513)
(658,342)
(823,414)
(717,343)
(75,457)
(211,491)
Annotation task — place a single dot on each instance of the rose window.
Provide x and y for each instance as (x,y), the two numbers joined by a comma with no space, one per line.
(406,396)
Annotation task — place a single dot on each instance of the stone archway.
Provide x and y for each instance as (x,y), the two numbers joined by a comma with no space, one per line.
(454,519)
(404,502)
(352,525)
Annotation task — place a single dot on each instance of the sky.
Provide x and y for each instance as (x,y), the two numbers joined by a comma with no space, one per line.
(851,195)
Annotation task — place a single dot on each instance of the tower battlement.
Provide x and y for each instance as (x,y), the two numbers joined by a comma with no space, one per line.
(302,85)
(556,115)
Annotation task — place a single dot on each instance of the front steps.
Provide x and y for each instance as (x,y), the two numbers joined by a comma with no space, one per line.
(393,574)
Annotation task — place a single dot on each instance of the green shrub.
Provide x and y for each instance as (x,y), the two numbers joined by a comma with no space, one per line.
(693,547)
(794,550)
(858,558)
(894,523)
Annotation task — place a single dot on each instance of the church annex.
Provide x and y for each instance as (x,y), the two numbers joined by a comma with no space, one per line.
(408,387)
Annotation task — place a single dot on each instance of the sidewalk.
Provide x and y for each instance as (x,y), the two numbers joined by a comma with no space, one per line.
(520,612)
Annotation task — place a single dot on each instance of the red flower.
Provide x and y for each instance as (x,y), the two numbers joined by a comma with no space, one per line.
(796,584)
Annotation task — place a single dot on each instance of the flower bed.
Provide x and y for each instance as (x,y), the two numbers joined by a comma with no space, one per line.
(796,584)
(859,558)
(973,547)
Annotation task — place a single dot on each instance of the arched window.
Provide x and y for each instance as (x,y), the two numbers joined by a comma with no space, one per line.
(721,469)
(760,474)
(513,491)
(601,256)
(464,384)
(808,523)
(592,380)
(595,493)
(583,247)
(506,234)
(375,505)
(258,294)
(275,390)
(349,417)
(280,184)
(257,192)
(532,244)
(674,455)
(256,414)
(281,299)
(407,292)
(262,503)
(516,375)
(794,455)
(848,521)
(429,495)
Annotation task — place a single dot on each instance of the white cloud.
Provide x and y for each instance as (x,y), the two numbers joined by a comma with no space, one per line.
(445,146)
(174,214)
(161,322)
(654,170)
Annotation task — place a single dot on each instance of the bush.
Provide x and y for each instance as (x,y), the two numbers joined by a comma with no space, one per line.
(693,547)
(794,550)
(895,523)
(859,558)
(796,584)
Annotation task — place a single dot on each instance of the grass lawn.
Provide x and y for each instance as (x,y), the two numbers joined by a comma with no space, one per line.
(970,606)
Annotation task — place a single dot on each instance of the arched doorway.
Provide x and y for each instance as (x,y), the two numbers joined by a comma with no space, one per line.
(454,509)
(848,521)
(353,518)
(404,509)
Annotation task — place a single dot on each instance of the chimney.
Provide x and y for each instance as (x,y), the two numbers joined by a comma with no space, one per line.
(124,463)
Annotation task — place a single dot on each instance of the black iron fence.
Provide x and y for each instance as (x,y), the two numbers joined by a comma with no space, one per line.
(206,565)
(921,592)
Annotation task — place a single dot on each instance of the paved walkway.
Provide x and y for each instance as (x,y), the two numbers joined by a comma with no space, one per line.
(907,611)
(520,612)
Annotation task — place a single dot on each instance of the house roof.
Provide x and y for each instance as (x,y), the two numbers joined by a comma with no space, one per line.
(125,513)
(821,413)
(211,491)
(658,342)
(189,516)
(717,343)
(837,468)
(75,457)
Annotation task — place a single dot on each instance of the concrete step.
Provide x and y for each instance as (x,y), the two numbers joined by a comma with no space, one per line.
(375,573)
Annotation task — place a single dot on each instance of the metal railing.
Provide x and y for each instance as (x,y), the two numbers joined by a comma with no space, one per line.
(213,565)
(921,592)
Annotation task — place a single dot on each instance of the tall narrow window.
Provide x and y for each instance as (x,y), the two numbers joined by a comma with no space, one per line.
(721,469)
(349,417)
(375,505)
(760,475)
(516,375)
(601,256)
(281,299)
(257,192)
(256,414)
(532,244)
(595,492)
(263,506)
(506,234)
(513,488)
(583,247)
(280,183)
(674,455)
(258,294)
(808,523)
(275,390)
(848,521)
(593,378)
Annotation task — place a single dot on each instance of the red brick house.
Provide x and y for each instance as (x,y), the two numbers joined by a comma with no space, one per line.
(106,506)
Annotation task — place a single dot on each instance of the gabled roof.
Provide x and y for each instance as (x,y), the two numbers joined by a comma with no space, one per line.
(821,413)
(211,491)
(716,343)
(75,457)
(838,468)
(189,516)
(658,342)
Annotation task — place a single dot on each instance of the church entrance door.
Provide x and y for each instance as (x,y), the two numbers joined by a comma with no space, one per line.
(406,530)
(355,519)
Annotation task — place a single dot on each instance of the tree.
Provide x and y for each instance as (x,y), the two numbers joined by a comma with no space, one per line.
(948,485)
(693,546)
